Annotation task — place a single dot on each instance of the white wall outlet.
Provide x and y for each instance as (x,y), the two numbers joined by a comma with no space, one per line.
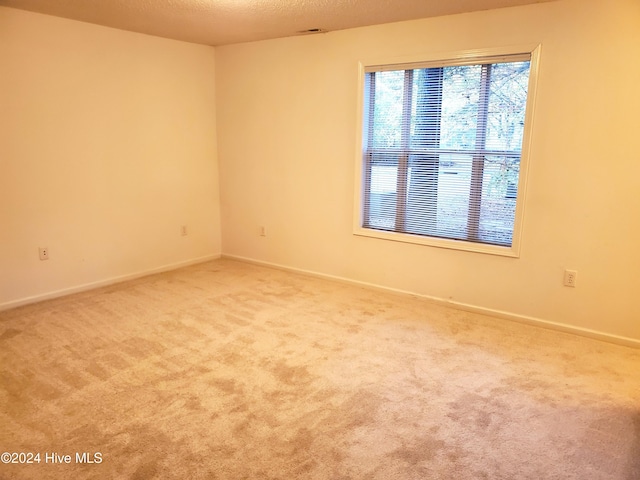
(44,253)
(183,230)
(570,277)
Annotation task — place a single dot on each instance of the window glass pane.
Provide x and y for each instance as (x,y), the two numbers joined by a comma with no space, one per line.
(461,91)
(499,190)
(387,112)
(507,103)
(426,108)
(453,192)
(382,197)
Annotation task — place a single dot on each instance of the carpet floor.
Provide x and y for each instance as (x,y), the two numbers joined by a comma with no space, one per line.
(226,370)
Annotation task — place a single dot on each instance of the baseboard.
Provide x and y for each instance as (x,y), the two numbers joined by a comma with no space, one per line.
(103,283)
(537,322)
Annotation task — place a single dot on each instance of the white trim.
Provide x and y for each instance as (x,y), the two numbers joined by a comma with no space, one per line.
(359,153)
(438,242)
(451,56)
(514,317)
(525,153)
(456,60)
(103,283)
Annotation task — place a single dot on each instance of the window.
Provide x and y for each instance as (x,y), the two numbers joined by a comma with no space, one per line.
(441,155)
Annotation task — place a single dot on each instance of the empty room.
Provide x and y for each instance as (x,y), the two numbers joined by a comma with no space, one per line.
(248,239)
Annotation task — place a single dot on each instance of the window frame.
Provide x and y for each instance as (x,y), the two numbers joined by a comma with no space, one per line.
(467,57)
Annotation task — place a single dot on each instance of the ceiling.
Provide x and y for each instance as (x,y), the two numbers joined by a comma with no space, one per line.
(221,22)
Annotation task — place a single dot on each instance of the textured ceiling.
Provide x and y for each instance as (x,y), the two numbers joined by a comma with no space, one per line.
(220,22)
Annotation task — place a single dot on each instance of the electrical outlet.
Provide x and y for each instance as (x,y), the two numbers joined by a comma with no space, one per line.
(570,277)
(44,253)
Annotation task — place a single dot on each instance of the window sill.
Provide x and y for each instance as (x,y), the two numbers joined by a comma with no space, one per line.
(512,251)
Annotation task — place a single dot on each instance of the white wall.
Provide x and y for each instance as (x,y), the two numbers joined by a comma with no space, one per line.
(287,129)
(107,147)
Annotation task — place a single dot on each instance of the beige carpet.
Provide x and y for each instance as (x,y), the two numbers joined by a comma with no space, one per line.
(226,370)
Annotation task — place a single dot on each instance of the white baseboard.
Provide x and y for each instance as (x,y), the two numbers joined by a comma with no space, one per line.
(537,322)
(103,283)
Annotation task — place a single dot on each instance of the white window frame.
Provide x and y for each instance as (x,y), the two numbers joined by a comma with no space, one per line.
(442,59)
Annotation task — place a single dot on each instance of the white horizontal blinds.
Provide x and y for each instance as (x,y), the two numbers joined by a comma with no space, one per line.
(426,126)
(443,149)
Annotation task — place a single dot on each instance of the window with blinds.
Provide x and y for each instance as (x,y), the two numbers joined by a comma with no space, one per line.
(442,148)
